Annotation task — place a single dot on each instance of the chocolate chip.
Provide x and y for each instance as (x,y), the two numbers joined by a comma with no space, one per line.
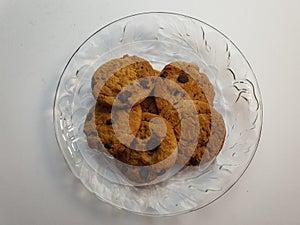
(163,75)
(144,173)
(152,151)
(108,145)
(176,92)
(108,122)
(183,78)
(161,172)
(89,117)
(124,96)
(144,83)
(194,161)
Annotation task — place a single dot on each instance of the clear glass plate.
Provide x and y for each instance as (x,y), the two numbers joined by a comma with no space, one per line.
(161,38)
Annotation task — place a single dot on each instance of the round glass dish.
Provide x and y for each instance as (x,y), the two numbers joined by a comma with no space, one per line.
(161,38)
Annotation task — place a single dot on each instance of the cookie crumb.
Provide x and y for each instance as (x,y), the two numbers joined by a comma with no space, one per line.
(108,145)
(108,122)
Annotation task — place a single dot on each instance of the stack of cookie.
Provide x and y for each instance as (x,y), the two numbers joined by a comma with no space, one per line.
(130,86)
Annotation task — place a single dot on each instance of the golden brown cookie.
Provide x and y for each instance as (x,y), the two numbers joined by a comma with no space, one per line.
(138,166)
(99,130)
(146,165)
(211,132)
(110,78)
(204,153)
(90,130)
(149,105)
(185,76)
(201,78)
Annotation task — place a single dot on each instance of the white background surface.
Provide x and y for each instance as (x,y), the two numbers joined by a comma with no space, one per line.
(37,37)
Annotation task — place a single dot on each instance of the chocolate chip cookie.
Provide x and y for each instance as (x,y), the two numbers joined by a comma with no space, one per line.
(99,126)
(211,132)
(200,78)
(110,78)
(155,157)
(180,83)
